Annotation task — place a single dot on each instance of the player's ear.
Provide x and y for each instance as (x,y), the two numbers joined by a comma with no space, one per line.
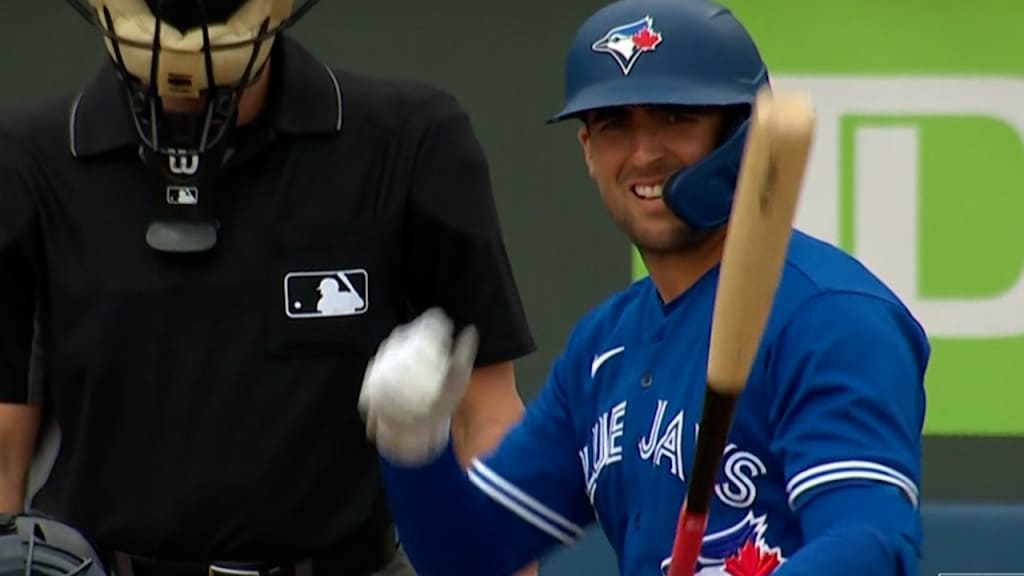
(583,135)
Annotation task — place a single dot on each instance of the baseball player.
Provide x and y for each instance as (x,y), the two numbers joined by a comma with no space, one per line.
(821,472)
(199,252)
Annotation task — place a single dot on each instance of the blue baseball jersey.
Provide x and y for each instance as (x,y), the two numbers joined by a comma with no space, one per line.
(835,397)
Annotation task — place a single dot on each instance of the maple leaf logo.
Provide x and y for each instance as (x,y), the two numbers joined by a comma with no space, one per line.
(752,560)
(646,39)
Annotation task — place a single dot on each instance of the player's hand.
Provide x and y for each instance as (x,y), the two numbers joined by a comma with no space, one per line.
(413,385)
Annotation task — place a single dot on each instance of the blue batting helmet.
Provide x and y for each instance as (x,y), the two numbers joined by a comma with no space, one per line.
(670,52)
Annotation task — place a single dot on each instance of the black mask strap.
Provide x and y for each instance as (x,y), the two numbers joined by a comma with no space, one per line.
(183,193)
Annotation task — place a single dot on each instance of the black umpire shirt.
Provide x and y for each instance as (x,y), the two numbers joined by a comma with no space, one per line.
(208,409)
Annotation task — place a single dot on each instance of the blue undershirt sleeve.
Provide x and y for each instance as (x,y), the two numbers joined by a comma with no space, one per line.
(508,509)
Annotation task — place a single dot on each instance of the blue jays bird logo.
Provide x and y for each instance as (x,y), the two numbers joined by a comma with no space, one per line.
(739,550)
(628,42)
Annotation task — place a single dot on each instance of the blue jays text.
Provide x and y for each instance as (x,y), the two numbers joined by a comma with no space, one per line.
(820,475)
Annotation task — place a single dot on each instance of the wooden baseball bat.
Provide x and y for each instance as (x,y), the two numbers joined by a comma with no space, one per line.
(764,206)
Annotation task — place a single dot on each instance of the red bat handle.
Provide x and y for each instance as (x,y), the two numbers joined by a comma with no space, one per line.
(686,547)
(716,419)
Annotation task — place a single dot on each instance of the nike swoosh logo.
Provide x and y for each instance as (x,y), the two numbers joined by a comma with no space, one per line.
(602,358)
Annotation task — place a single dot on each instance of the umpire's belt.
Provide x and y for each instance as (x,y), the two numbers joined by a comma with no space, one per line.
(365,557)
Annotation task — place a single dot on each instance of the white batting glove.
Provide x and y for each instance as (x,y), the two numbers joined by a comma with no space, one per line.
(413,385)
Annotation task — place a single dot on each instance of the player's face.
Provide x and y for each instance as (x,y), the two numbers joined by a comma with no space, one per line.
(631,151)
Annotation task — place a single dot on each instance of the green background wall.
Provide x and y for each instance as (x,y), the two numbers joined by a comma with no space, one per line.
(906,79)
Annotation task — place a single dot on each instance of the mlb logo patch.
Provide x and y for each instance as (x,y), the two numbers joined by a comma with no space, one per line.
(182,195)
(326,293)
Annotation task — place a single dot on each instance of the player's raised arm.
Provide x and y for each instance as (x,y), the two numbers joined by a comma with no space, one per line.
(455,259)
(510,507)
(19,419)
(848,411)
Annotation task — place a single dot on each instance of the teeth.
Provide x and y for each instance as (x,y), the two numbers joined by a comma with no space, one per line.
(647,191)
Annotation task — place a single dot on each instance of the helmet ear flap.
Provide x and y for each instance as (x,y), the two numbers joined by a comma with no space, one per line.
(701,194)
(733,118)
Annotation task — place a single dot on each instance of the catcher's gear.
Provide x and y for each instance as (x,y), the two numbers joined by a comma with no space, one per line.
(202,53)
(35,545)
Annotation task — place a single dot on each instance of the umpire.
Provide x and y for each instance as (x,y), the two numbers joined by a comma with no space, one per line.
(198,254)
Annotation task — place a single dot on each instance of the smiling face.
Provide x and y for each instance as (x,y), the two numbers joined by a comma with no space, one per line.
(631,151)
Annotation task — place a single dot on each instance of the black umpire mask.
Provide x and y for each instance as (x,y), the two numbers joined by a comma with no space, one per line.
(185,98)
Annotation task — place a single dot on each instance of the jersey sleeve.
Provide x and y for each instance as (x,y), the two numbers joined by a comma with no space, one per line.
(18,248)
(848,404)
(536,473)
(457,255)
(508,509)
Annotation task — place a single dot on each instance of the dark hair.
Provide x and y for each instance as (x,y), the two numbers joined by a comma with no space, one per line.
(732,117)
(187,14)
